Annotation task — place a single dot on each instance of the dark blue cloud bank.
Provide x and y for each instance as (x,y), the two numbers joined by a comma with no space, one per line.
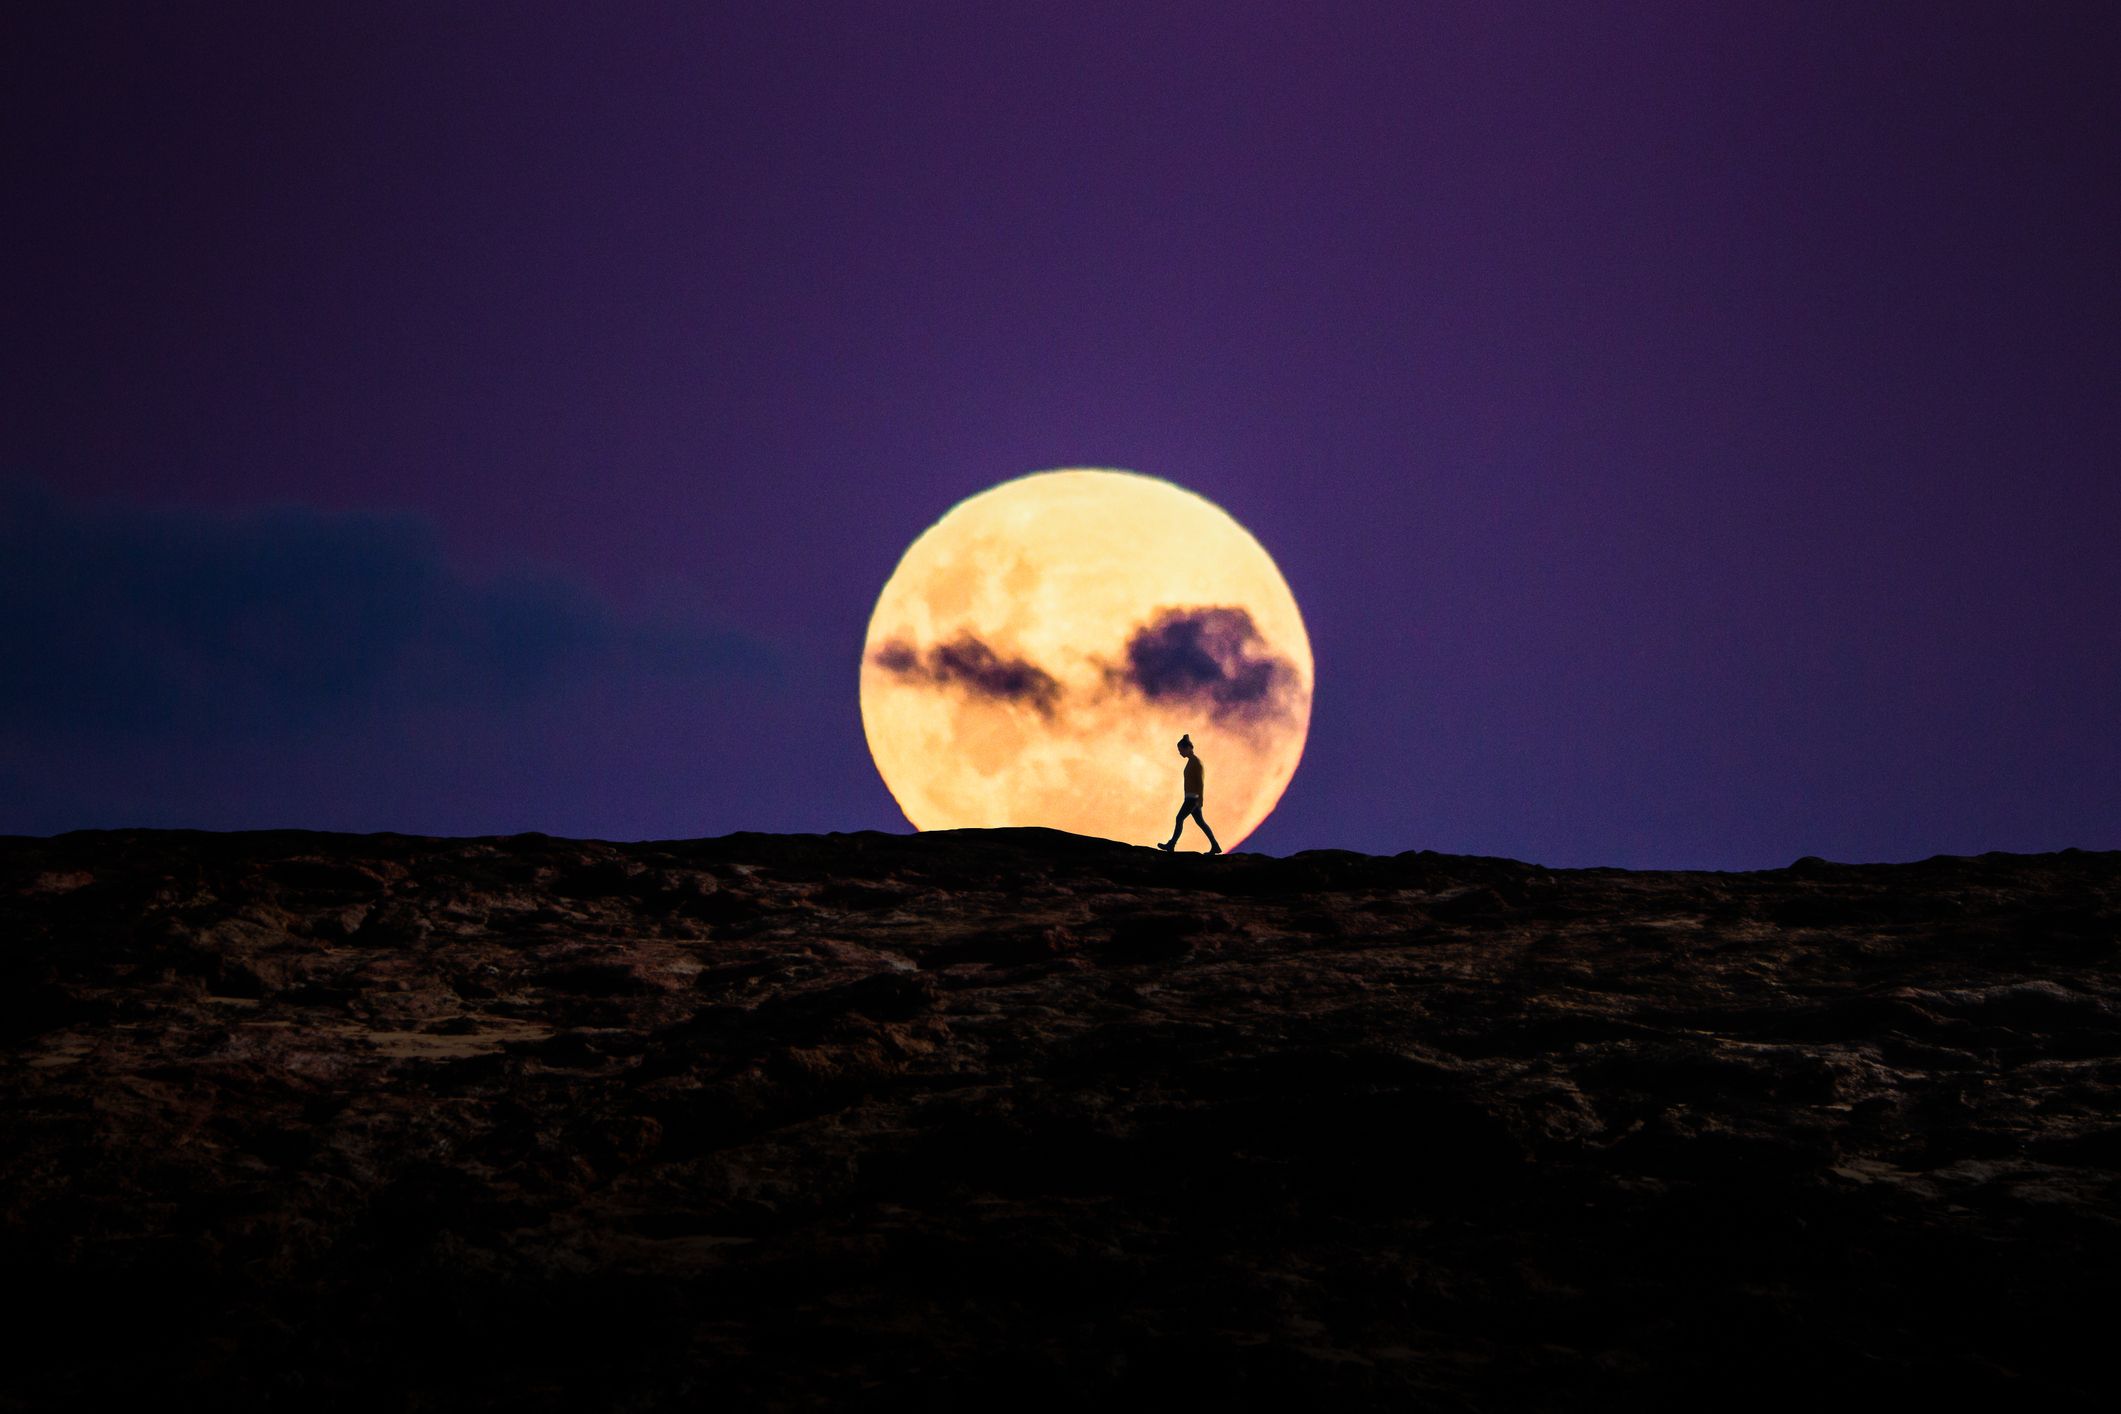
(139,634)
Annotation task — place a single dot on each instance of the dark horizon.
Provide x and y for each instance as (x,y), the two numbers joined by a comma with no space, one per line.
(1801,865)
(1689,433)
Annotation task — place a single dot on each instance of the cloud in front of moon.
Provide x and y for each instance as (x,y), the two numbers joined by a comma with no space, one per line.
(1214,657)
(971,666)
(1040,648)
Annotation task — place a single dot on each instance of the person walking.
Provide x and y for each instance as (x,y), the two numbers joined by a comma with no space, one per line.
(1196,780)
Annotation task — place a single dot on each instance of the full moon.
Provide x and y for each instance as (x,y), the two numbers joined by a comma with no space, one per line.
(1039,650)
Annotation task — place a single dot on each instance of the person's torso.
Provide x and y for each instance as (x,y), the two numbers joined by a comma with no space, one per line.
(1194,775)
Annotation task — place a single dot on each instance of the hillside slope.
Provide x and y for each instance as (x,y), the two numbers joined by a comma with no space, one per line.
(539,1123)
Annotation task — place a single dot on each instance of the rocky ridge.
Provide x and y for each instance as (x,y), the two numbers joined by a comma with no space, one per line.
(528,1122)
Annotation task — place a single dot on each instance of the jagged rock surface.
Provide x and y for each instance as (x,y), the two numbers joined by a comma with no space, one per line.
(318,1120)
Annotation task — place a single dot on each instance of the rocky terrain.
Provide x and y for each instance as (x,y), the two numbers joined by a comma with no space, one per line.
(315,1121)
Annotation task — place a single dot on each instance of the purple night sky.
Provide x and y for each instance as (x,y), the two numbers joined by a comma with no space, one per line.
(1691,430)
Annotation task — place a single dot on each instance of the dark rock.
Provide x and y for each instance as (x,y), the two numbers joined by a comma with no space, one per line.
(1002,947)
(1151,937)
(1013,1116)
(597,979)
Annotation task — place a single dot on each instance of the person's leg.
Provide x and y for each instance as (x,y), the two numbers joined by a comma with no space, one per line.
(1178,826)
(1193,809)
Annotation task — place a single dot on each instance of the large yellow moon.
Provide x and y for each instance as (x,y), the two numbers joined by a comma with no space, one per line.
(1039,650)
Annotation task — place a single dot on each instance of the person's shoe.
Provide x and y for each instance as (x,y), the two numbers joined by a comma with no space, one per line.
(1216,849)
(1165,848)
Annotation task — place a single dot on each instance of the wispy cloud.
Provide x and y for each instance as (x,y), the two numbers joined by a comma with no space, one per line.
(137,621)
(968,663)
(1213,657)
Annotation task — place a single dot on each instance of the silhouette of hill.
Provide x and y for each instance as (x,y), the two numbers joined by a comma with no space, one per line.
(1015,1115)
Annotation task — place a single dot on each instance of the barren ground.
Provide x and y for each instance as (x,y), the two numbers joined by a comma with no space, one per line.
(313,1121)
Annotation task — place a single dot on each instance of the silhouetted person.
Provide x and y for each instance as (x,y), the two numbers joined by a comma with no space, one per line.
(1195,779)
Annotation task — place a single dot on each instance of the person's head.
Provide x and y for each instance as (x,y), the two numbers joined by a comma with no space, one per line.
(1185,745)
